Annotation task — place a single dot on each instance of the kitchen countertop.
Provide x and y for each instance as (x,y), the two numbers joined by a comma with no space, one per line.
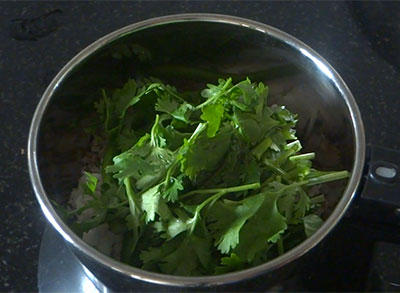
(37,39)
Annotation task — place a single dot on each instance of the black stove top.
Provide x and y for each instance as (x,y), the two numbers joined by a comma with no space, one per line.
(360,39)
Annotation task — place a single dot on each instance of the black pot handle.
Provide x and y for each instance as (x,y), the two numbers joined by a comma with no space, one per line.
(379,199)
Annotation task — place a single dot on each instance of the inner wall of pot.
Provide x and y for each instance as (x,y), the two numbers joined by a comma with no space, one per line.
(189,55)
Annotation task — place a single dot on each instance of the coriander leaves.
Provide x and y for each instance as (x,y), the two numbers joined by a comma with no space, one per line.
(201,189)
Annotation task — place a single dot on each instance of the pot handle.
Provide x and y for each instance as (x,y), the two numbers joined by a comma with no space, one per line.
(379,200)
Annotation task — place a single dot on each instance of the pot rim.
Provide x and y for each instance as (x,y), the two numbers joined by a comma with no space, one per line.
(181,281)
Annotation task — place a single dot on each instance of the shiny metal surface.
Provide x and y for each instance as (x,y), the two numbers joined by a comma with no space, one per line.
(329,118)
(60,271)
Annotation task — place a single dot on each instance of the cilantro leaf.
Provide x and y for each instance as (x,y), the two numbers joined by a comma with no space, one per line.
(183,113)
(174,225)
(192,253)
(125,97)
(153,203)
(126,139)
(286,206)
(228,218)
(213,92)
(311,224)
(174,138)
(171,191)
(205,153)
(230,264)
(264,227)
(146,161)
(184,256)
(91,183)
(213,115)
(179,111)
(171,103)
(150,201)
(303,204)
(253,127)
(166,104)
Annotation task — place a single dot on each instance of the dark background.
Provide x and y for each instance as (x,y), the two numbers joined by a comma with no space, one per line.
(360,40)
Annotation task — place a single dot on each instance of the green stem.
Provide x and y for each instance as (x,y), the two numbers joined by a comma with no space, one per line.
(308,156)
(276,169)
(153,130)
(119,205)
(107,114)
(228,82)
(200,127)
(210,199)
(81,209)
(77,211)
(290,186)
(223,190)
(109,154)
(128,187)
(262,147)
(198,209)
(131,195)
(170,171)
(328,177)
(317,199)
(134,211)
(175,95)
(293,148)
(281,249)
(269,180)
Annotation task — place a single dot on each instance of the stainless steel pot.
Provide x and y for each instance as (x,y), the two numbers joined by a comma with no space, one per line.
(189,50)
